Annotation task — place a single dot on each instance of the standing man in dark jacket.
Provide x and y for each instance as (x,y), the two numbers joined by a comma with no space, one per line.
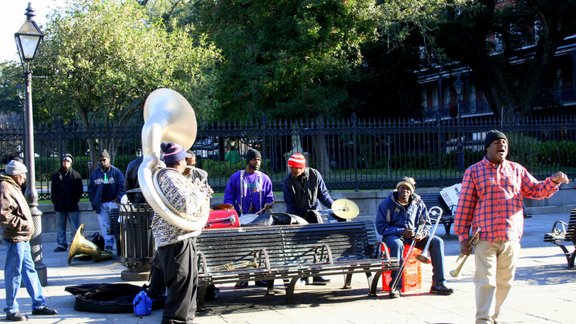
(106,189)
(16,220)
(304,189)
(66,191)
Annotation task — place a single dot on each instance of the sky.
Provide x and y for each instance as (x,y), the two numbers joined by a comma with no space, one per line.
(12,16)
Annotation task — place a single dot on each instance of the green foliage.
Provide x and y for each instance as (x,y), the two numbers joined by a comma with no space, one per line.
(102,58)
(11,82)
(220,168)
(523,149)
(288,58)
(557,154)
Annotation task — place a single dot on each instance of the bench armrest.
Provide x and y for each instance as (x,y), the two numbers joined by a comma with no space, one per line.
(559,227)
(382,251)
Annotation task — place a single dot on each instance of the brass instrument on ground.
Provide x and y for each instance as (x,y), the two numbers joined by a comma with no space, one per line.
(168,117)
(422,256)
(408,256)
(231,266)
(462,258)
(82,246)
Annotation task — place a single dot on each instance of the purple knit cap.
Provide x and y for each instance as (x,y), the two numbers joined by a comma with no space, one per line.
(173,153)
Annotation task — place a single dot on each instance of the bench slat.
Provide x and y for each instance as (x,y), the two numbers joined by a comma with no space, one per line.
(292,251)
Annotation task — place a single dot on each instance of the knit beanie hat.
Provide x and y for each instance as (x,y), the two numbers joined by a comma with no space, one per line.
(252,154)
(105,154)
(493,135)
(408,182)
(297,160)
(173,153)
(14,168)
(68,156)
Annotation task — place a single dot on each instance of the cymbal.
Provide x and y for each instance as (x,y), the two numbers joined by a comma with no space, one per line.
(345,208)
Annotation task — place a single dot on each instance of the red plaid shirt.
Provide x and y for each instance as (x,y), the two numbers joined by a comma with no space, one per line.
(491,199)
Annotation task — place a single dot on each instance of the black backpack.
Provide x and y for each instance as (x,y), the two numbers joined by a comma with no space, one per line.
(98,240)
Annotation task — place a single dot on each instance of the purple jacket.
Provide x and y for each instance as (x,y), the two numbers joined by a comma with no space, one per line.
(238,193)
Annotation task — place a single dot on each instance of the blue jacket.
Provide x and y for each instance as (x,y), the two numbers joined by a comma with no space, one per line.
(392,218)
(112,180)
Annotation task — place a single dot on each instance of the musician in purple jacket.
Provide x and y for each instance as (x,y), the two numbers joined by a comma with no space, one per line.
(249,190)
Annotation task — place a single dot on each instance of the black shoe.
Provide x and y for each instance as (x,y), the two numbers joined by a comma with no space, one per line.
(261,283)
(241,284)
(60,249)
(441,290)
(394,294)
(16,317)
(44,311)
(320,281)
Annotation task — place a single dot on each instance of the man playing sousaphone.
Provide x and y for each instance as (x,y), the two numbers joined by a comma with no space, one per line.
(397,220)
(176,260)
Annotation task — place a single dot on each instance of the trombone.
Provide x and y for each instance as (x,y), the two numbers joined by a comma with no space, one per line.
(472,243)
(422,256)
(408,256)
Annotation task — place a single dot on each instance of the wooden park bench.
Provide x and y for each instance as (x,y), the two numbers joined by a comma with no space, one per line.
(435,199)
(290,253)
(564,233)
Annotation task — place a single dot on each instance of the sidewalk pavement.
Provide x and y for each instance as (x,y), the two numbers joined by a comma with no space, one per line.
(544,292)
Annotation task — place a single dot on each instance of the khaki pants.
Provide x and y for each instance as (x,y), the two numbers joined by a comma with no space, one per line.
(495,268)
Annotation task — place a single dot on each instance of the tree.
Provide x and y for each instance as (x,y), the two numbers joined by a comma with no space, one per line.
(492,39)
(11,82)
(284,58)
(102,58)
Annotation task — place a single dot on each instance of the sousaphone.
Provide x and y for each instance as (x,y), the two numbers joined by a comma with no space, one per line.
(168,117)
(82,246)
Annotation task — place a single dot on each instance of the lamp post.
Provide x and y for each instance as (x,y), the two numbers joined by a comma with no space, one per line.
(458,84)
(27,40)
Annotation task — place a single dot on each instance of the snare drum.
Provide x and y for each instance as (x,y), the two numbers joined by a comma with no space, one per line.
(246,219)
(222,219)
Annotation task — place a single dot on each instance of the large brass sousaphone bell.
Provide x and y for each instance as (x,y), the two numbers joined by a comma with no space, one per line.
(168,117)
(82,246)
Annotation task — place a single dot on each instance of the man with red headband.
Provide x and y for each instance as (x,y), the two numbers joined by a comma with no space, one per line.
(303,190)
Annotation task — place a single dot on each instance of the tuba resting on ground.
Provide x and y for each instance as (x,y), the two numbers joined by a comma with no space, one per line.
(81,246)
(168,117)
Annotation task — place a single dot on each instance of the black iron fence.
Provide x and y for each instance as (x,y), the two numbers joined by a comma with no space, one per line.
(351,154)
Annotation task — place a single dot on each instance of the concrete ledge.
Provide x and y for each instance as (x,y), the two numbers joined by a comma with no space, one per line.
(368,201)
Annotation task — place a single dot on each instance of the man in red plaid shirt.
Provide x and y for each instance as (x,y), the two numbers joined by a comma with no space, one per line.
(491,200)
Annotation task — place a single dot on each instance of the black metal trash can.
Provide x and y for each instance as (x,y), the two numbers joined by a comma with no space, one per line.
(136,240)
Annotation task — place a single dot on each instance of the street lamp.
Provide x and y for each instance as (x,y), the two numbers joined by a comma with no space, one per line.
(458,85)
(27,40)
